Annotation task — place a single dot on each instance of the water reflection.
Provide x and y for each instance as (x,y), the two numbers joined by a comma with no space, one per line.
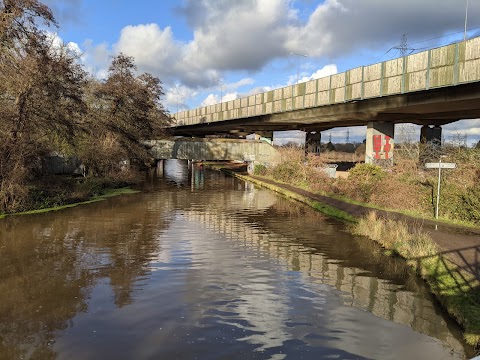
(208,268)
(50,265)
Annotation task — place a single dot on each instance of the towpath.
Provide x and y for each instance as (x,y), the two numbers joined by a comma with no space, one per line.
(459,244)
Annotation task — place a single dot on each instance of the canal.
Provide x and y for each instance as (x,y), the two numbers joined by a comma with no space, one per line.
(200,265)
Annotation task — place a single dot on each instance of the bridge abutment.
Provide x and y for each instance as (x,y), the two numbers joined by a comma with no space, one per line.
(313,142)
(265,136)
(379,143)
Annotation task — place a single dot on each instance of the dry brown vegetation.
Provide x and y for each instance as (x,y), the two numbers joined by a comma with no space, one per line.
(406,186)
(457,290)
(49,103)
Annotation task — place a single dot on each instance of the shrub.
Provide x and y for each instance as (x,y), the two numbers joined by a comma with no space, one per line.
(259,169)
(363,181)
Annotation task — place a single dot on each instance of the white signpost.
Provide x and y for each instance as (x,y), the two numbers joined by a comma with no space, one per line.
(439,166)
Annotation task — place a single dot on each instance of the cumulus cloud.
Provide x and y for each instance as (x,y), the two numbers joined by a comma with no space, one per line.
(176,96)
(468,130)
(211,99)
(246,35)
(341,27)
(327,70)
(226,36)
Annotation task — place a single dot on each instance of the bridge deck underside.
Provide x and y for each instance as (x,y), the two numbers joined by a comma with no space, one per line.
(429,107)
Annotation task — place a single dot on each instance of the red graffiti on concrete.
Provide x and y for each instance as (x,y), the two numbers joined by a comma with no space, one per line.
(377,145)
(387,147)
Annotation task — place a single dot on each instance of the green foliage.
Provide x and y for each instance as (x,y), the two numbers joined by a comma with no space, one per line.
(365,178)
(458,291)
(288,171)
(470,204)
(367,172)
(259,169)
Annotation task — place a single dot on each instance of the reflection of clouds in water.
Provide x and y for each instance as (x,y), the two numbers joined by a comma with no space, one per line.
(223,273)
(265,307)
(176,171)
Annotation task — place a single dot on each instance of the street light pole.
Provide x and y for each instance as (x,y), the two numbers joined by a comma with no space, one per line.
(221,83)
(177,94)
(298,62)
(221,91)
(466,17)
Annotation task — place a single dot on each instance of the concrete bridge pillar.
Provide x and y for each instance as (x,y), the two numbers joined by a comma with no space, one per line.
(313,142)
(160,168)
(431,134)
(379,144)
(250,167)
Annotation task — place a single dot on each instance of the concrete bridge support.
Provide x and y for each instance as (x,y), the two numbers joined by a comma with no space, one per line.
(160,168)
(379,144)
(431,135)
(264,136)
(313,142)
(430,143)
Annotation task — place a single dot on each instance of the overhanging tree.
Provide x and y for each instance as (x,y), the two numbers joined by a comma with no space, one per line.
(125,109)
(41,95)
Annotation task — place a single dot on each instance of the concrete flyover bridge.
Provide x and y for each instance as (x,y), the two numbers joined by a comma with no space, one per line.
(430,88)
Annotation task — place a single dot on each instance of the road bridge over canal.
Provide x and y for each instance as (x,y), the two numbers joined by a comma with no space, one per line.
(249,151)
(430,88)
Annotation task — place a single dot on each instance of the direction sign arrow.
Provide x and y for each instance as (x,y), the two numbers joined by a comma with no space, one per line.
(440,165)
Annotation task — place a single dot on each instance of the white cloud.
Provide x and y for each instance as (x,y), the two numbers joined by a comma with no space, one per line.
(58,45)
(248,34)
(240,83)
(285,137)
(230,96)
(97,58)
(327,70)
(211,99)
(461,129)
(176,96)
(342,27)
(245,35)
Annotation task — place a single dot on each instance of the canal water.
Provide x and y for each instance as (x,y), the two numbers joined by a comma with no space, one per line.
(204,266)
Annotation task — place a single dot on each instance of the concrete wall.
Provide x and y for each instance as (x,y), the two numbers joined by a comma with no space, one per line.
(444,66)
(213,149)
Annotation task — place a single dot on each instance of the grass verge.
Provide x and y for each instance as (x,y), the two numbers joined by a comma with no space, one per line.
(106,194)
(457,290)
(323,208)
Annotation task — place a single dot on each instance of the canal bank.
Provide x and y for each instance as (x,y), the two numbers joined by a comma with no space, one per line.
(203,265)
(452,271)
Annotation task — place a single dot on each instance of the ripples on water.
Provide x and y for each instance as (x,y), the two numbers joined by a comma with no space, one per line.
(203,266)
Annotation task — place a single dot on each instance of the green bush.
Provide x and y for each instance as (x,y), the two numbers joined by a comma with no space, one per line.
(259,169)
(364,178)
(367,172)
(289,171)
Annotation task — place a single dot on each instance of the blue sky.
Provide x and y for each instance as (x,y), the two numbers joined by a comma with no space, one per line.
(202,49)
